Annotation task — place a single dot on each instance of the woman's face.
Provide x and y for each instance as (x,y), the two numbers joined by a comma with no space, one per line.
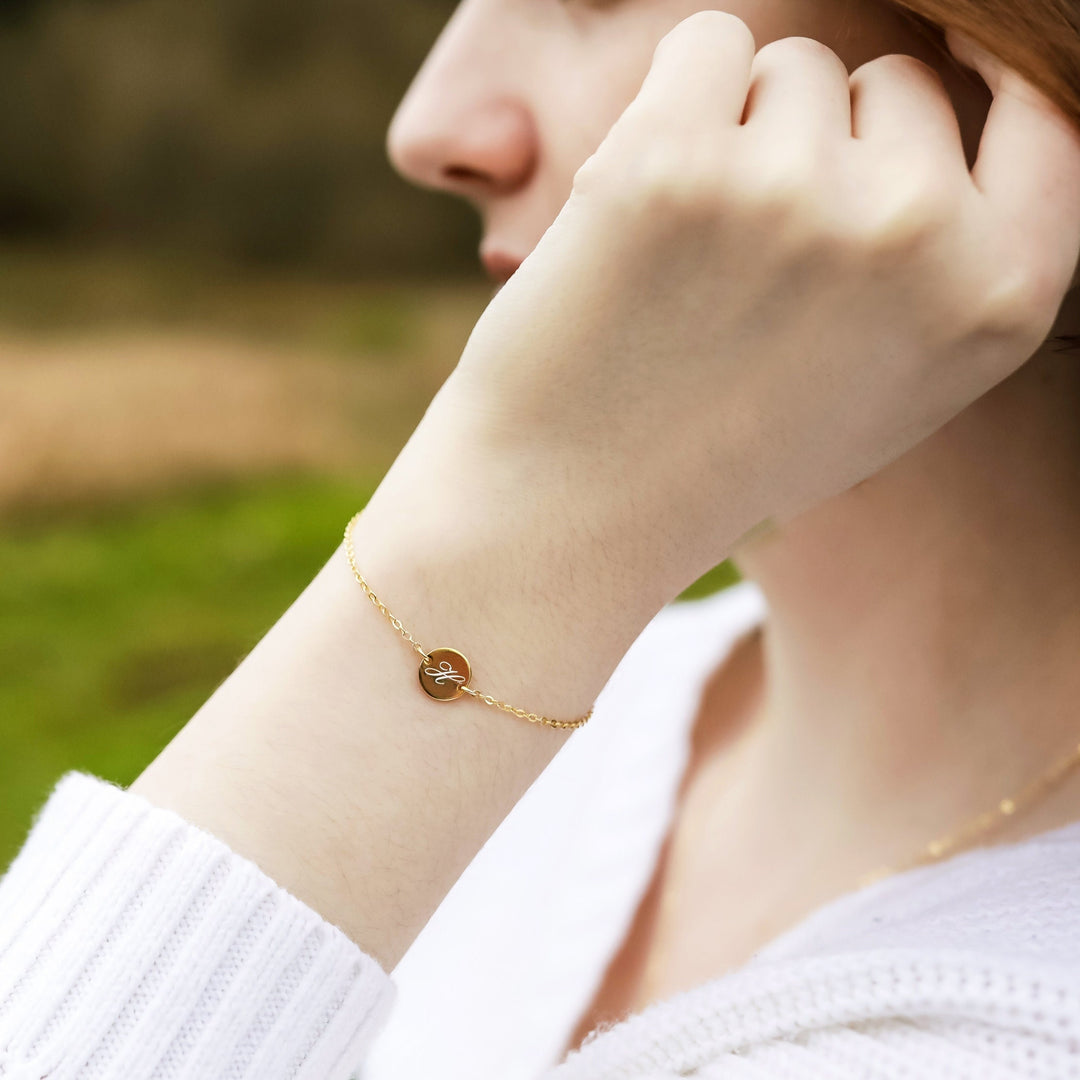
(516,94)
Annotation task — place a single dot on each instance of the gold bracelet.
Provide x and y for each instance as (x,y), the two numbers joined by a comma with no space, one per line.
(445,673)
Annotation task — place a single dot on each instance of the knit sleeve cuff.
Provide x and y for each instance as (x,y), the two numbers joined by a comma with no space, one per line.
(134,944)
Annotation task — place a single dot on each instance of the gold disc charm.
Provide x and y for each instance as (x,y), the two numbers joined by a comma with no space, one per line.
(444,673)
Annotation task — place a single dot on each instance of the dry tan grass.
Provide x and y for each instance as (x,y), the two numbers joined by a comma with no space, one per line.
(109,412)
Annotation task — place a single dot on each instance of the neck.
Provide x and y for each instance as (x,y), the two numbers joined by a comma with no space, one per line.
(920,657)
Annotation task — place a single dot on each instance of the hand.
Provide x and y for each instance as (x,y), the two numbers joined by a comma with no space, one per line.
(732,320)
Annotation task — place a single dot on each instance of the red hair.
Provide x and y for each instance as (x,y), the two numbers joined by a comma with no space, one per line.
(1039,38)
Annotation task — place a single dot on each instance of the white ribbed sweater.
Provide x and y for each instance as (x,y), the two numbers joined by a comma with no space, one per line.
(133,945)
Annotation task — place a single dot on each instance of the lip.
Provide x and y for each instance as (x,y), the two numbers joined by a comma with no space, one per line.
(500,265)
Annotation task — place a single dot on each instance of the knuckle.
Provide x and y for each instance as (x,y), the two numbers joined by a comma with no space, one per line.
(675,195)
(719,24)
(658,184)
(897,66)
(785,185)
(710,29)
(782,195)
(908,216)
(1020,304)
(783,51)
(666,177)
(786,202)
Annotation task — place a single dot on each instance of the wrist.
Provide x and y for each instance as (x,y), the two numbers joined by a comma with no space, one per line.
(533,608)
(497,541)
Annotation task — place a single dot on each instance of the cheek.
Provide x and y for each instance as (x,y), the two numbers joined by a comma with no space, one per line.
(590,76)
(586,90)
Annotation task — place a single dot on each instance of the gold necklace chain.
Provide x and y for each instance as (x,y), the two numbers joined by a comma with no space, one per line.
(987,821)
(451,678)
(935,851)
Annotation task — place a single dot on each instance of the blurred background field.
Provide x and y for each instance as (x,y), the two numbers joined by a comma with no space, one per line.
(221,315)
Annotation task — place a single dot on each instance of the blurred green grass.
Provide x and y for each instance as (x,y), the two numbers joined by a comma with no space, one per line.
(118,620)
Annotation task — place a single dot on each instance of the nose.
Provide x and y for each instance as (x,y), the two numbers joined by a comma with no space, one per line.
(475,149)
(463,126)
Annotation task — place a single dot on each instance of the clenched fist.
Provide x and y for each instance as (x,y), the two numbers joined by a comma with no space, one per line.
(771,279)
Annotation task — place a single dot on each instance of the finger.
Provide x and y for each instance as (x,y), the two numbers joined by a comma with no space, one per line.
(1028,162)
(704,60)
(798,91)
(899,102)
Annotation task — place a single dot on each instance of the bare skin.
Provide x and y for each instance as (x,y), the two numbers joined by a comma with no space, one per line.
(942,728)
(914,693)
(920,657)
(796,815)
(317,759)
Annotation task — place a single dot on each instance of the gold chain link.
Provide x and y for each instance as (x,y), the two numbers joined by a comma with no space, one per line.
(987,821)
(487,699)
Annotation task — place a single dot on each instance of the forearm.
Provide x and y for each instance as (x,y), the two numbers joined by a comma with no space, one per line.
(130,934)
(322,760)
